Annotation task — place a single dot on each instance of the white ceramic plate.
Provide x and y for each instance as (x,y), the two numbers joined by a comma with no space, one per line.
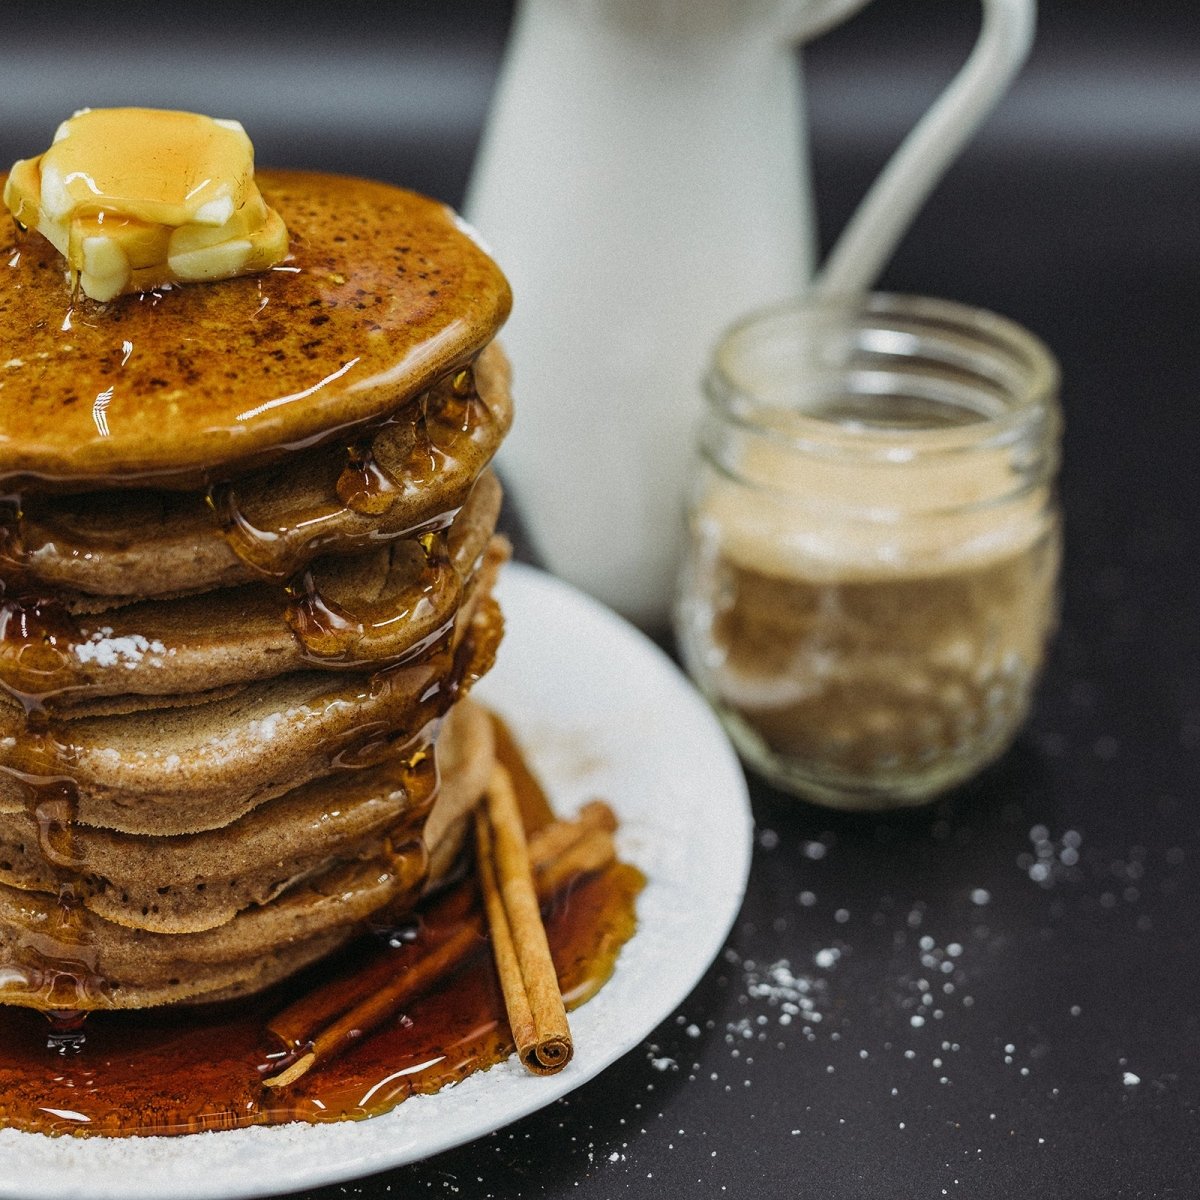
(601,712)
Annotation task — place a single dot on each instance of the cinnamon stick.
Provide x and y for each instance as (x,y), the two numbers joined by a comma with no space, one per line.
(508,967)
(322,1024)
(532,997)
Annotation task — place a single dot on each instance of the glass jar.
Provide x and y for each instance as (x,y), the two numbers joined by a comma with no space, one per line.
(874,540)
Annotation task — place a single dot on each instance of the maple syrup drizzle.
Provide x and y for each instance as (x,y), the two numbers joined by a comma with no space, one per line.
(444,672)
(37,639)
(365,485)
(59,965)
(260,549)
(445,422)
(184,1070)
(323,627)
(404,846)
(13,553)
(328,633)
(56,966)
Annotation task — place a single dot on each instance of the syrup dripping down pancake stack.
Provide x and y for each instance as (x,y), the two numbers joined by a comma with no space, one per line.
(247,547)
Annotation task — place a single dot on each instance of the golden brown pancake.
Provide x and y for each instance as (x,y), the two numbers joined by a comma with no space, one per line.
(103,965)
(384,293)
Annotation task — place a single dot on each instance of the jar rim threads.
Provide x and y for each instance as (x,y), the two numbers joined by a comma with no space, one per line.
(952,375)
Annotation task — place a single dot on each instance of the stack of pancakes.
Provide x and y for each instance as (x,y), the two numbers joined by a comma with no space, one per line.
(247,548)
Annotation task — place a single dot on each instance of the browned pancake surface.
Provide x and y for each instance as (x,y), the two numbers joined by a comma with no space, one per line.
(382,293)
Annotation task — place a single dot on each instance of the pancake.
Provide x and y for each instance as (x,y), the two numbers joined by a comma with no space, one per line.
(100,549)
(384,293)
(79,961)
(63,976)
(366,610)
(466,751)
(189,883)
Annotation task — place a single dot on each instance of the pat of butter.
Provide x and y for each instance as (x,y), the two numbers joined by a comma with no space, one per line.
(139,198)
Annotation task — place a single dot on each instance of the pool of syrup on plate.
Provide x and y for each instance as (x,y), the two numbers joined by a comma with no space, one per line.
(183,1070)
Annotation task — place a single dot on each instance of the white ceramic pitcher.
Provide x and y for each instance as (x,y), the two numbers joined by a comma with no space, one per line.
(643,179)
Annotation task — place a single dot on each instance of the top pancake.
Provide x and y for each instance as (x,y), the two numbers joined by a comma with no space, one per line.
(383,292)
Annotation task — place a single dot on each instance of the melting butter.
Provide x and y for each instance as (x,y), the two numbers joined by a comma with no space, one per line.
(139,198)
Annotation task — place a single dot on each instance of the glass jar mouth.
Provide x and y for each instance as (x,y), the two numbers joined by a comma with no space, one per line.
(882,377)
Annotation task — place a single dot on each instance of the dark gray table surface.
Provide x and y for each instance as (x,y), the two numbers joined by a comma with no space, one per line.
(998,997)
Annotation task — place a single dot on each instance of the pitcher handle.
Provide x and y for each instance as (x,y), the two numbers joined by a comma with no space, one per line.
(886,211)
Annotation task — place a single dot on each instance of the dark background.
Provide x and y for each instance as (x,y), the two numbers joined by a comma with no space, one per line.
(1050,908)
